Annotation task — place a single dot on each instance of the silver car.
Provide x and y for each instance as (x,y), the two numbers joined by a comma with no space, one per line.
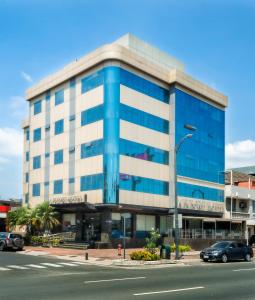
(9,240)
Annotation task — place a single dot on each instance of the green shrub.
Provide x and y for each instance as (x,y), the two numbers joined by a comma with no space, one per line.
(182,248)
(144,255)
(151,241)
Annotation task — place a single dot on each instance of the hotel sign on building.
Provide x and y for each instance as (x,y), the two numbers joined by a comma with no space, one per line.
(68,200)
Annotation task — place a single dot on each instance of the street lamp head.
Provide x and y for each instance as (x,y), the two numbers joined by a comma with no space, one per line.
(190,135)
(190,127)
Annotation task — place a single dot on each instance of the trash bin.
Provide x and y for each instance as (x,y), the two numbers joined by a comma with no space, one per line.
(165,252)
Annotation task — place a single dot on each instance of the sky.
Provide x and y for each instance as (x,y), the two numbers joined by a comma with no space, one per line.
(215,40)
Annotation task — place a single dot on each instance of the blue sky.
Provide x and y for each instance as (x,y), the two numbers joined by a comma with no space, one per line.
(215,40)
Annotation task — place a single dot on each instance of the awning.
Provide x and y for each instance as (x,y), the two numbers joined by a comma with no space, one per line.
(250,222)
(208,220)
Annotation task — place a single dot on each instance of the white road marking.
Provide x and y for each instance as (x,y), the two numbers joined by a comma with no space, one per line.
(170,291)
(68,264)
(36,266)
(4,269)
(17,267)
(115,279)
(238,270)
(52,265)
(79,263)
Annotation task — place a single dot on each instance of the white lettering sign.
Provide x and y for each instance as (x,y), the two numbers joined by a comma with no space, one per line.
(203,205)
(69,199)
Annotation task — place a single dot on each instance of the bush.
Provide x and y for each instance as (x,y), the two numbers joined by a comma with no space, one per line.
(151,242)
(144,255)
(46,240)
(182,248)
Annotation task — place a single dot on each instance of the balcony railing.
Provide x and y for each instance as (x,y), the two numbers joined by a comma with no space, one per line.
(209,234)
(240,215)
(240,192)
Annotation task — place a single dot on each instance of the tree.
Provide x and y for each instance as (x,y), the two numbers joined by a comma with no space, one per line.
(42,218)
(46,216)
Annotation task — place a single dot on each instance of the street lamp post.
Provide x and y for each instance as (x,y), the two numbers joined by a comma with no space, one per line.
(176,221)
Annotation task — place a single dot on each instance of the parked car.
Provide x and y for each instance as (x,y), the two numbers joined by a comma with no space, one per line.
(227,250)
(252,240)
(9,240)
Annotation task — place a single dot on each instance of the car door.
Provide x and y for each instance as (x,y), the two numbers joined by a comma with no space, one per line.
(241,250)
(233,251)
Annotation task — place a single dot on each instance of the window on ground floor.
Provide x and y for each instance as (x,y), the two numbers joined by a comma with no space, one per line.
(118,225)
(144,224)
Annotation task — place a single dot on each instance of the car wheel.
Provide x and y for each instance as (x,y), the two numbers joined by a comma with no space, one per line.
(1,246)
(247,257)
(205,259)
(224,258)
(20,249)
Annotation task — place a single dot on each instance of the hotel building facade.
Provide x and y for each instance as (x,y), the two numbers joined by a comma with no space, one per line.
(100,136)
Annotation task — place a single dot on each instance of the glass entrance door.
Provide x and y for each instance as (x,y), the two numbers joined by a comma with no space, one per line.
(91,227)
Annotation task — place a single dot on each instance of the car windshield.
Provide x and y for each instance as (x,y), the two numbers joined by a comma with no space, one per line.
(220,245)
(3,235)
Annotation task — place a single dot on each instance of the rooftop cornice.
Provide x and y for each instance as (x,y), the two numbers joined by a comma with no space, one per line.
(115,52)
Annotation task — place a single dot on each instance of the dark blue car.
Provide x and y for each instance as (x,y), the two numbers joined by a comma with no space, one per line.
(227,250)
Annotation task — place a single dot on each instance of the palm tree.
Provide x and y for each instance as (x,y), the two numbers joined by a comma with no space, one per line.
(46,217)
(17,217)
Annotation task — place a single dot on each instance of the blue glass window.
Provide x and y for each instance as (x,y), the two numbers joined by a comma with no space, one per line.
(143,86)
(37,162)
(47,127)
(71,149)
(200,192)
(26,198)
(144,185)
(37,134)
(71,180)
(37,107)
(47,96)
(27,177)
(58,157)
(92,148)
(92,81)
(58,186)
(144,152)
(36,189)
(27,135)
(91,182)
(72,118)
(203,155)
(72,82)
(59,127)
(59,97)
(27,156)
(142,118)
(92,115)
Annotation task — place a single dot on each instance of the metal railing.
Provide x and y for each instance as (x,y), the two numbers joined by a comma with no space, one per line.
(208,234)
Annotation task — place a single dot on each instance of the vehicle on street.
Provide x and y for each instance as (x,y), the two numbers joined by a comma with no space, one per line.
(227,250)
(9,240)
(252,240)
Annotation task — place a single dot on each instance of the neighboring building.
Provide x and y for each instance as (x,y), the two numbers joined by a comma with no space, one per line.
(100,137)
(5,207)
(240,197)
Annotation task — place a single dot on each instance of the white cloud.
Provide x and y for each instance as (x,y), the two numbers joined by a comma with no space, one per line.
(240,154)
(11,143)
(26,76)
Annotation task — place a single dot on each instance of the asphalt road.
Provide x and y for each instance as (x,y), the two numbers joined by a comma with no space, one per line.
(28,277)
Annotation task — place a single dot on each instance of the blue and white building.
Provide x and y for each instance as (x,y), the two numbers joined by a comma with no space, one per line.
(100,137)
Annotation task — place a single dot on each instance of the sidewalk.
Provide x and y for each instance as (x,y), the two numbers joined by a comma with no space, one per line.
(107,257)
